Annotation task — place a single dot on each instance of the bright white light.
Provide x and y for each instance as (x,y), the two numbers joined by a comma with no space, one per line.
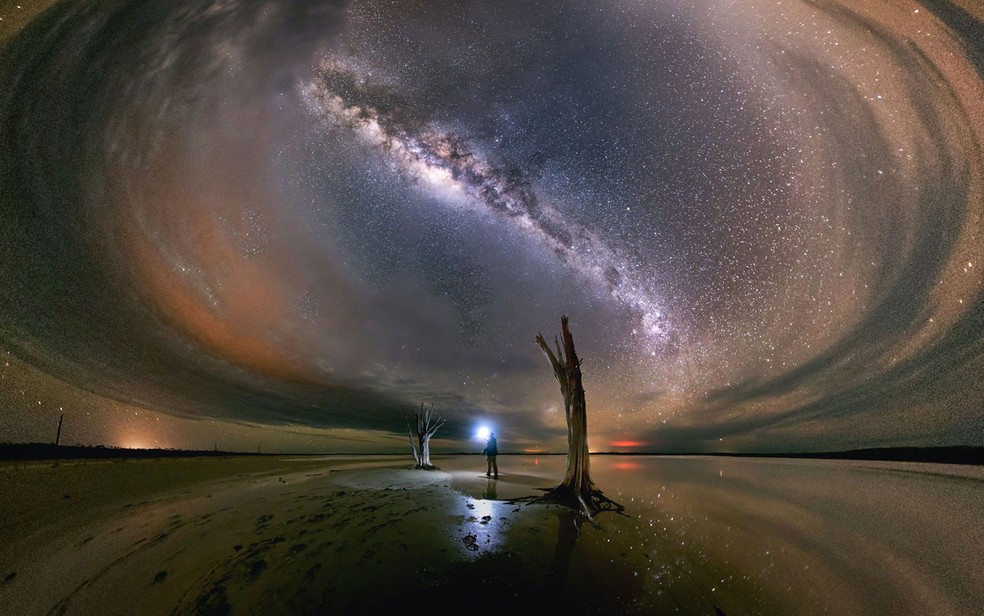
(483,433)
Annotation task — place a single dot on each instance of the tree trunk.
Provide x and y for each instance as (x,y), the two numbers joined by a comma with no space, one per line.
(425,451)
(577,489)
(426,426)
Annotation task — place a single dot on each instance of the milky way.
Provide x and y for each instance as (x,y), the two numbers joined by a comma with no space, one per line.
(288,222)
(446,161)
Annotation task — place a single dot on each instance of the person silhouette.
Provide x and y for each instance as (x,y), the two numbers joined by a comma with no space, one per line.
(490,452)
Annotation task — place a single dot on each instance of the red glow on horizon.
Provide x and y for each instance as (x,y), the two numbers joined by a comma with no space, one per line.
(627,443)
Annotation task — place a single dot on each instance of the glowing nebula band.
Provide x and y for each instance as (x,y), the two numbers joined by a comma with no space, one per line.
(445,161)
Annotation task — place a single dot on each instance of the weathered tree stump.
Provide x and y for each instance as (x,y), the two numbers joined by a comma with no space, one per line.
(426,426)
(576,490)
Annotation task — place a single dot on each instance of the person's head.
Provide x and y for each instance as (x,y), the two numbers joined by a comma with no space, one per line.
(491,434)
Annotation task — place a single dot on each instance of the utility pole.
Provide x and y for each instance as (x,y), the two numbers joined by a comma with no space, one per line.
(58,434)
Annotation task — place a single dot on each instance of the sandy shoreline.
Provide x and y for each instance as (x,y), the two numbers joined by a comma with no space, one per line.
(301,536)
(357,535)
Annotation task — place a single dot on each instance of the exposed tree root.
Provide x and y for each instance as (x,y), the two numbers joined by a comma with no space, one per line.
(588,504)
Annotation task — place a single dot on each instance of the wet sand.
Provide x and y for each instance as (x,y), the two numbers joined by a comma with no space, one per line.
(357,535)
(302,536)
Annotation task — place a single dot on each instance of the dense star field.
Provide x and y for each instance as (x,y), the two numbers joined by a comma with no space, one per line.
(283,224)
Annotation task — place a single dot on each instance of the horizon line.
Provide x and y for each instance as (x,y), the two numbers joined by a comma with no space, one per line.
(964,454)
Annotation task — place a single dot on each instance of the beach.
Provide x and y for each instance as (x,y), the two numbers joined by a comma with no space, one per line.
(284,535)
(369,534)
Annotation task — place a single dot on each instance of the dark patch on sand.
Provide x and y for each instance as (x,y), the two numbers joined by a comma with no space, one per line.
(296,549)
(255,568)
(213,603)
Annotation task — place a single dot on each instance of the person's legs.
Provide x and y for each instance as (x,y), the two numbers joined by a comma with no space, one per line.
(488,465)
(495,467)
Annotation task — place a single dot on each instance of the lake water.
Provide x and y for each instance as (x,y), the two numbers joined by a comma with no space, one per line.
(768,536)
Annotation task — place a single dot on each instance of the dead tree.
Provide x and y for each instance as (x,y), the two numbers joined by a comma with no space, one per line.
(576,490)
(426,425)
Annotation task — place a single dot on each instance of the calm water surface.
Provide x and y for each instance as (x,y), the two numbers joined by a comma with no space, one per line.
(771,536)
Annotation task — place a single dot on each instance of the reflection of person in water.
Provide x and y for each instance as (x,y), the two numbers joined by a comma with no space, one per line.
(490,452)
(489,492)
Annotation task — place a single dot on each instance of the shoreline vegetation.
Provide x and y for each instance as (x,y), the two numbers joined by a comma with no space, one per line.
(48,451)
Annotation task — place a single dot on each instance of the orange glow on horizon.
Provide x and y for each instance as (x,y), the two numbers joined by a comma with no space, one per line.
(134,439)
(627,443)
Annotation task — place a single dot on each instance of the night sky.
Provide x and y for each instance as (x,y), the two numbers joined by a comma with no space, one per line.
(282,225)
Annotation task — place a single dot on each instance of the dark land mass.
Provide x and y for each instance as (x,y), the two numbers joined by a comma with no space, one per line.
(48,451)
(940,455)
